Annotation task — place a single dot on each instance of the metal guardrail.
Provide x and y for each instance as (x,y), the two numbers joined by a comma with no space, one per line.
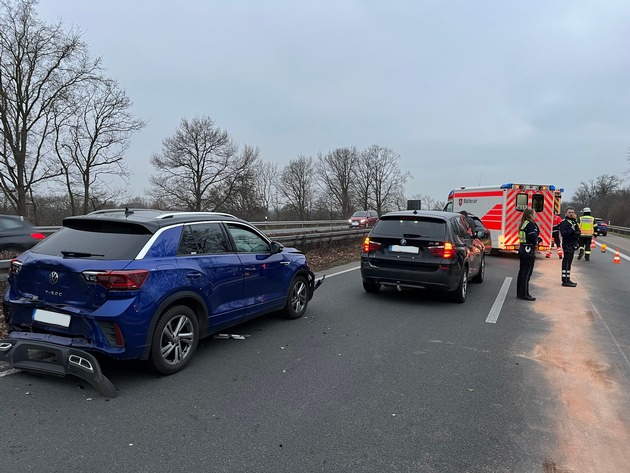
(620,230)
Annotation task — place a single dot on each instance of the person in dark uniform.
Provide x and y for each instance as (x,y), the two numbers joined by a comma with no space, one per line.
(570,232)
(529,238)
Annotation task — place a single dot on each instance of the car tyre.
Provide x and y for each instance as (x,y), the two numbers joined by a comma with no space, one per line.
(174,340)
(482,272)
(459,294)
(371,287)
(297,298)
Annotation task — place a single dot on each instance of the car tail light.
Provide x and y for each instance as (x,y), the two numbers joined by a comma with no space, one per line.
(118,280)
(38,236)
(444,251)
(370,246)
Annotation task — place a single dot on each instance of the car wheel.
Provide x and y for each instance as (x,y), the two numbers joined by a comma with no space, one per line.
(459,294)
(371,287)
(482,271)
(297,298)
(174,340)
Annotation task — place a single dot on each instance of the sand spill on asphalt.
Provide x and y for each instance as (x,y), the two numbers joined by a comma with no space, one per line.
(592,425)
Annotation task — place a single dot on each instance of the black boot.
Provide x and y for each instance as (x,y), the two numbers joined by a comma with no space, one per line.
(569,283)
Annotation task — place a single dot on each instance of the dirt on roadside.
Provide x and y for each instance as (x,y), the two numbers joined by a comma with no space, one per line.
(592,426)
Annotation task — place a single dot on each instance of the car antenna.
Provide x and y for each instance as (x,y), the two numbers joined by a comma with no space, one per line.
(128,212)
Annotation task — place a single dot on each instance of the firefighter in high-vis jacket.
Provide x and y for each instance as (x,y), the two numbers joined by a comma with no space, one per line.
(587,227)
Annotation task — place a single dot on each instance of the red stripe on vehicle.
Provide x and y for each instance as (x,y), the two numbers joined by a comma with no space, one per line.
(492,218)
(464,193)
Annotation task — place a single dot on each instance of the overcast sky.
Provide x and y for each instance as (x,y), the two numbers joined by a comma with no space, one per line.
(468,92)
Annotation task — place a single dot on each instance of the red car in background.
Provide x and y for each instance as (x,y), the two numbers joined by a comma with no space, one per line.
(363,219)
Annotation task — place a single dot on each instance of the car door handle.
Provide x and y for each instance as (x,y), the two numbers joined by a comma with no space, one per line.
(194,274)
(286,263)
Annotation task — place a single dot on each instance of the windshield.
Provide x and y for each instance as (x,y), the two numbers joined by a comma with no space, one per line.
(360,214)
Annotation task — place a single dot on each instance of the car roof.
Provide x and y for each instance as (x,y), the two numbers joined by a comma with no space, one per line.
(422,213)
(151,219)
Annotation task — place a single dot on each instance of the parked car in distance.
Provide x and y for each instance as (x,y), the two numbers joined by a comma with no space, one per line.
(363,219)
(144,284)
(601,227)
(422,249)
(17,234)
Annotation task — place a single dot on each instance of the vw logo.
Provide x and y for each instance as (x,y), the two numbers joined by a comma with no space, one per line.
(53,278)
(403,242)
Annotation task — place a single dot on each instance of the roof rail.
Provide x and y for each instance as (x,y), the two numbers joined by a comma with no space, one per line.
(183,213)
(126,209)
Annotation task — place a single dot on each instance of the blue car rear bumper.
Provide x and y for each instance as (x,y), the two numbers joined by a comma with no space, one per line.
(56,360)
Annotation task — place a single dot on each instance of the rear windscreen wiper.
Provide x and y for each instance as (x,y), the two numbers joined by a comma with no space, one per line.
(78,254)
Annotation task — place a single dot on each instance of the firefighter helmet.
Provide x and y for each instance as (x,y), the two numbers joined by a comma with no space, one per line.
(586,210)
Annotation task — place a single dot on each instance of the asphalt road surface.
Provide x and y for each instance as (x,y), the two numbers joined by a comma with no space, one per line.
(387,382)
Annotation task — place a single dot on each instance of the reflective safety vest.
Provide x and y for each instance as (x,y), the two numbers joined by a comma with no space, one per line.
(522,236)
(587,225)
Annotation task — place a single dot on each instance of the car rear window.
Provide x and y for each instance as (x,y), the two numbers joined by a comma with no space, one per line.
(411,227)
(119,244)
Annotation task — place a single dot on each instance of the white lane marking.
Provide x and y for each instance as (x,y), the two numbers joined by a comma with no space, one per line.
(599,316)
(341,272)
(493,315)
(612,250)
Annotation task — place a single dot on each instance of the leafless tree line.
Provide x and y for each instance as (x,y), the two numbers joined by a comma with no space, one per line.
(606,197)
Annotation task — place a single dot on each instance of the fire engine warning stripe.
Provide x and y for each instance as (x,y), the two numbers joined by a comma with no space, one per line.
(493,315)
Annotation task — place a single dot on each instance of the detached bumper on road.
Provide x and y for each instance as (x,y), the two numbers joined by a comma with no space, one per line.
(56,360)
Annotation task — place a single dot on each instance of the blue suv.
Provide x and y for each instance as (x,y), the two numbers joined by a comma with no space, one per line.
(143,284)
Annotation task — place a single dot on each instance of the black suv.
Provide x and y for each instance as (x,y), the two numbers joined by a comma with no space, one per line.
(423,249)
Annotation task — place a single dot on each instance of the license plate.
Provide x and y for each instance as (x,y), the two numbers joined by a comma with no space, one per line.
(404,249)
(52,318)
(355,224)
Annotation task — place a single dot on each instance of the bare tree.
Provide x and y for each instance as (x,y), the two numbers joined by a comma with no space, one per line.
(267,184)
(363,179)
(199,166)
(598,193)
(91,142)
(336,171)
(388,180)
(40,64)
(298,187)
(245,200)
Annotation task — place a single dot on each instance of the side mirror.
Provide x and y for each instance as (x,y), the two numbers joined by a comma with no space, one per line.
(276,247)
(480,234)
